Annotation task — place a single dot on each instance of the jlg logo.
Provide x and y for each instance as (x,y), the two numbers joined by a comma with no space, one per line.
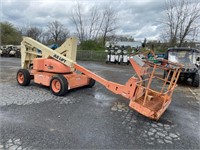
(59,58)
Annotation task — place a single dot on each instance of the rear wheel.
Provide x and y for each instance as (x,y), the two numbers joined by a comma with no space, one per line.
(23,77)
(91,83)
(59,85)
(195,81)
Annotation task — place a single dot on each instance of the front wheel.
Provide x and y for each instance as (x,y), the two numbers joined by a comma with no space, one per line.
(23,77)
(59,85)
(195,81)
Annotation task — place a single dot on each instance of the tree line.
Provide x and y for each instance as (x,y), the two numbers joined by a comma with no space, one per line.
(55,33)
(180,24)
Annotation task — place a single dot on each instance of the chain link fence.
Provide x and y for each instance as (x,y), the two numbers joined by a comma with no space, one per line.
(91,55)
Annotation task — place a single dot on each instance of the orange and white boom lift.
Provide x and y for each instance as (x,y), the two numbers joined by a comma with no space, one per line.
(58,70)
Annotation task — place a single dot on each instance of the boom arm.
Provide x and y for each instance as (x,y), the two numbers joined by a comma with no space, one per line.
(126,90)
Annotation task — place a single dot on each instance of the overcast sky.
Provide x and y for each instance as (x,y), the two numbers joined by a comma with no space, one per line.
(137,18)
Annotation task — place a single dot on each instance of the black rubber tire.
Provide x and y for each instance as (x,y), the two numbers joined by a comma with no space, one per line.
(195,81)
(27,77)
(64,85)
(91,83)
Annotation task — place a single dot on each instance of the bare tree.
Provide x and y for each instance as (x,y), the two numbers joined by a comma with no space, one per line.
(181,19)
(30,31)
(87,27)
(77,19)
(46,38)
(34,33)
(58,33)
(109,22)
(94,23)
(98,23)
(195,33)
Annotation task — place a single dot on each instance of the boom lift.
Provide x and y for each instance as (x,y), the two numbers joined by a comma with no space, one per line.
(58,70)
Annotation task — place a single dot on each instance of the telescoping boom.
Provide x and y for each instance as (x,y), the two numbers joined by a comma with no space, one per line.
(58,70)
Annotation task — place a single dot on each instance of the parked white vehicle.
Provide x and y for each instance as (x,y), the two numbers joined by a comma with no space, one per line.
(111,55)
(116,55)
(123,57)
(10,50)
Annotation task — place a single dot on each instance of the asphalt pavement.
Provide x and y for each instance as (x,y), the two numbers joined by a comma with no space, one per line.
(91,118)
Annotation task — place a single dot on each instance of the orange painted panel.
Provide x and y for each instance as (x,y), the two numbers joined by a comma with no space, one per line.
(38,64)
(141,109)
(43,78)
(76,80)
(50,65)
